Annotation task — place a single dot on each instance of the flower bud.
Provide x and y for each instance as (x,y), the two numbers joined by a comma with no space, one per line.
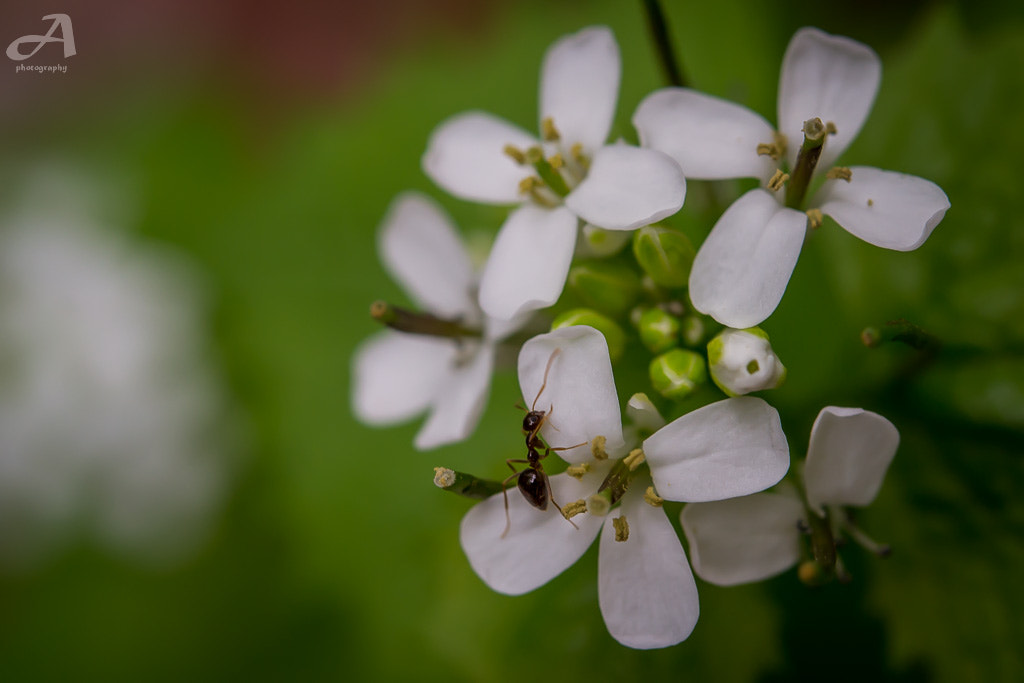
(664,254)
(742,361)
(600,243)
(659,331)
(613,334)
(609,287)
(677,373)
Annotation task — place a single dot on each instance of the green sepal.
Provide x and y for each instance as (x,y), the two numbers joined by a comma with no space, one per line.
(666,255)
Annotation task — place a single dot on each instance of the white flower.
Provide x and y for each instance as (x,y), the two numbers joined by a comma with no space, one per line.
(112,422)
(617,187)
(742,269)
(753,538)
(399,375)
(646,590)
(742,361)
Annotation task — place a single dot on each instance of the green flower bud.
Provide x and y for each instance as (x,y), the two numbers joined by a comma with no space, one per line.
(613,334)
(659,331)
(692,330)
(742,361)
(665,255)
(609,287)
(600,243)
(677,373)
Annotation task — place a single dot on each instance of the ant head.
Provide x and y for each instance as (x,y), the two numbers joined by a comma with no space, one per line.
(532,421)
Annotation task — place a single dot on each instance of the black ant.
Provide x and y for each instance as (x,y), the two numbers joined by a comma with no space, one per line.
(533,481)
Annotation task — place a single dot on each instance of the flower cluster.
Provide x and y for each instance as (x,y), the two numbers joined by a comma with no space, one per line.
(557,264)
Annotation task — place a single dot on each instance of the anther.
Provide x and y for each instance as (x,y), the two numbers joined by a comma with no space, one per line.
(578,471)
(443,477)
(597,445)
(809,572)
(621,528)
(577,507)
(634,459)
(652,498)
(529,184)
(839,173)
(548,130)
(815,218)
(515,153)
(576,151)
(871,202)
(777,180)
(534,154)
(556,161)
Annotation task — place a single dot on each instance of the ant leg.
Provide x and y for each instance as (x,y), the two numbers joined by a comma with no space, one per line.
(504,493)
(558,507)
(566,448)
(547,369)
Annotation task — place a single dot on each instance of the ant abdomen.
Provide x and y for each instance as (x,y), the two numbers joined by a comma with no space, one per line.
(534,487)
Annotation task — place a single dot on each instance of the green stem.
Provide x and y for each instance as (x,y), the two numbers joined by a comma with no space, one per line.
(662,41)
(806,161)
(465,484)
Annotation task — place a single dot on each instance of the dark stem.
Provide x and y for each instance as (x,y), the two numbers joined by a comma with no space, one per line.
(418,323)
(663,42)
(806,161)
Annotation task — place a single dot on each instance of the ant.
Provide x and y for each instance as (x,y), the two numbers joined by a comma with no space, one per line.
(533,481)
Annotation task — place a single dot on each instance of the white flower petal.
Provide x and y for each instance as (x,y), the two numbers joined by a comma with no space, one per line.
(628,187)
(579,396)
(396,375)
(459,401)
(888,209)
(645,587)
(829,77)
(848,456)
(579,86)
(727,449)
(540,544)
(496,330)
(743,267)
(422,250)
(709,138)
(465,156)
(743,539)
(529,261)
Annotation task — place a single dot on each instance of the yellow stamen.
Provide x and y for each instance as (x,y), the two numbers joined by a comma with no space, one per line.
(777,180)
(515,153)
(556,161)
(548,130)
(839,173)
(577,507)
(634,459)
(578,471)
(576,151)
(815,218)
(597,448)
(830,128)
(871,202)
(621,528)
(776,148)
(652,498)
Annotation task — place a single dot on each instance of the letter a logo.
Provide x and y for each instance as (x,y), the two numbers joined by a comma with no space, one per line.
(62,21)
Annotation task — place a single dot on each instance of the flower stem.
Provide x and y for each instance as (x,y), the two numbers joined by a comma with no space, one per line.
(465,484)
(806,160)
(418,323)
(900,331)
(663,42)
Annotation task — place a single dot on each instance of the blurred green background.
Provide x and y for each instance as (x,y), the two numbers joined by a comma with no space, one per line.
(264,143)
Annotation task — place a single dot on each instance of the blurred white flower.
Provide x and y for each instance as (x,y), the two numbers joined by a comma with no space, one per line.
(742,269)
(567,175)
(646,591)
(398,375)
(755,537)
(112,423)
